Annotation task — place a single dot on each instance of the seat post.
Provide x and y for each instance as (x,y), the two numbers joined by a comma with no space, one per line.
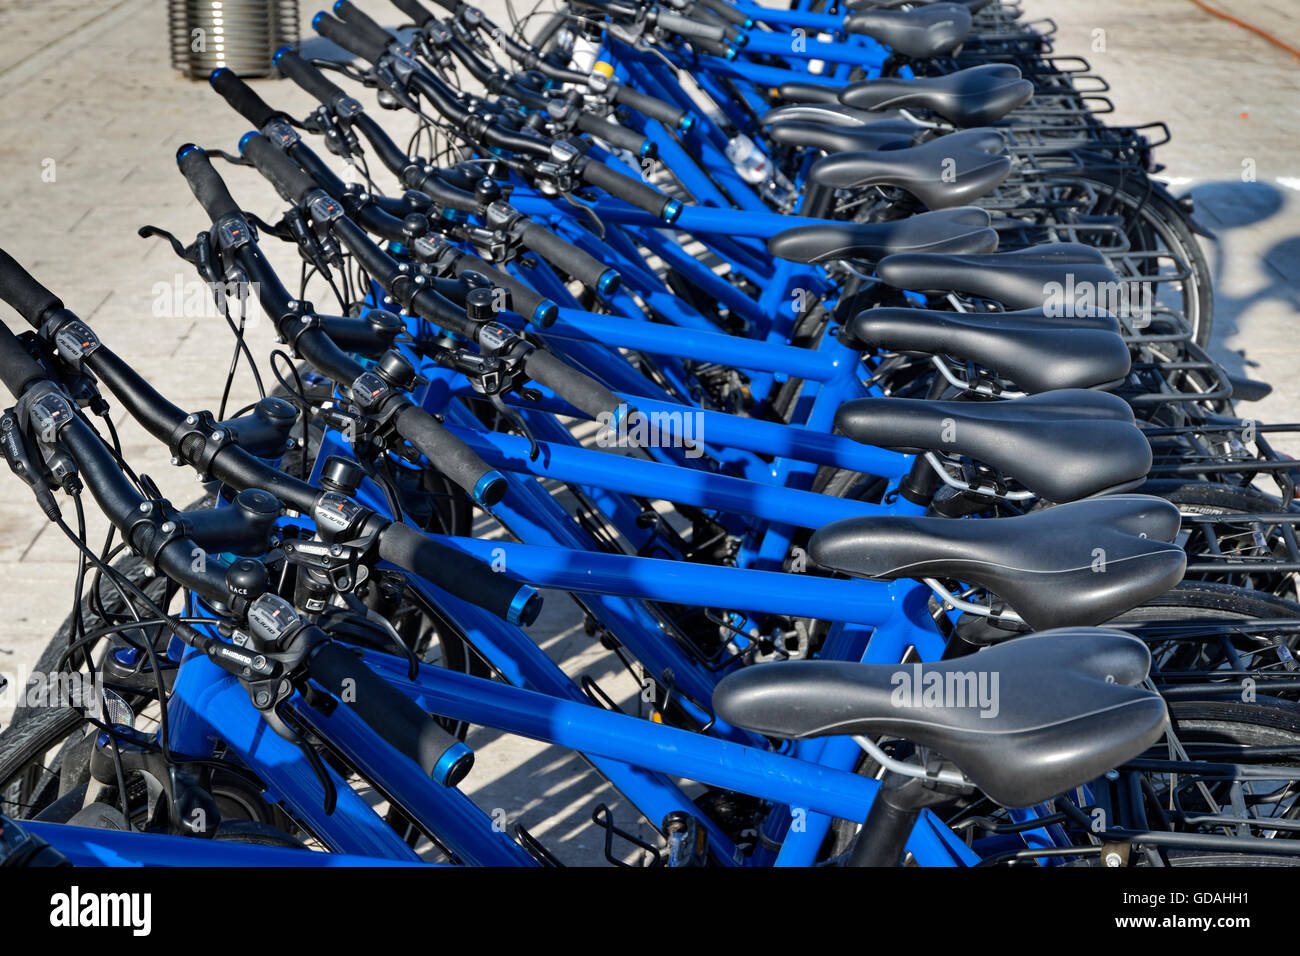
(921,482)
(882,841)
(818,201)
(883,837)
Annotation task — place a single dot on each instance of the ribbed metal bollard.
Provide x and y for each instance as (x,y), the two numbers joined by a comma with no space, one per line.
(239,34)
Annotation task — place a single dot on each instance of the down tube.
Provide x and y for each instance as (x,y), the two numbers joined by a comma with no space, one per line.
(593,730)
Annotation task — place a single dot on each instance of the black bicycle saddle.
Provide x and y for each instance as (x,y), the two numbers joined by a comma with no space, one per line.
(918,34)
(952,170)
(1081,563)
(976,96)
(953,230)
(1062,445)
(1034,351)
(1020,279)
(1024,721)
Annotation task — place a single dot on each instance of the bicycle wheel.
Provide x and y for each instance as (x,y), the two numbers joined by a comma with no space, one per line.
(1261,735)
(1165,249)
(1234,548)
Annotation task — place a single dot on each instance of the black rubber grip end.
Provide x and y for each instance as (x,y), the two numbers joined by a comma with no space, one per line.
(29,298)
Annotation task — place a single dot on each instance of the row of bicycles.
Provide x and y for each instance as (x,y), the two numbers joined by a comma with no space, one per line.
(841,361)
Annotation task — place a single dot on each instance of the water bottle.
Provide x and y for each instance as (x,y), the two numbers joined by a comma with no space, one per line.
(751,165)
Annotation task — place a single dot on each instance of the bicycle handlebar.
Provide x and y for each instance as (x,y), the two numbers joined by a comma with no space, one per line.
(387,711)
(242,97)
(444,451)
(419,13)
(114,493)
(390,713)
(367,29)
(340,34)
(207,186)
(453,571)
(310,79)
(563,254)
(632,191)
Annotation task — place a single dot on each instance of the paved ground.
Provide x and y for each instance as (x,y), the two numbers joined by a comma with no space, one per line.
(92,114)
(1232,102)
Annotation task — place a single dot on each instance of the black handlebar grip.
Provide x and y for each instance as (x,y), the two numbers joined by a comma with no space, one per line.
(440,191)
(460,574)
(729,13)
(242,97)
(28,297)
(204,181)
(283,173)
(339,33)
(633,191)
(567,257)
(451,456)
(17,368)
(688,28)
(577,388)
(671,116)
(429,303)
(524,299)
(309,78)
(419,13)
(368,29)
(390,713)
(617,135)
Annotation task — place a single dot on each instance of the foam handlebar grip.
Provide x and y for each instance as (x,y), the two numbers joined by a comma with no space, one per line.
(366,28)
(389,713)
(671,116)
(241,97)
(571,259)
(306,76)
(577,388)
(460,574)
(29,298)
(616,135)
(17,368)
(339,33)
(688,28)
(283,173)
(206,184)
(419,13)
(633,191)
(451,456)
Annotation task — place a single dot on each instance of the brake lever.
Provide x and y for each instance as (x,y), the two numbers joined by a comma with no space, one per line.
(21,462)
(517,420)
(150,232)
(295,225)
(229,157)
(277,723)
